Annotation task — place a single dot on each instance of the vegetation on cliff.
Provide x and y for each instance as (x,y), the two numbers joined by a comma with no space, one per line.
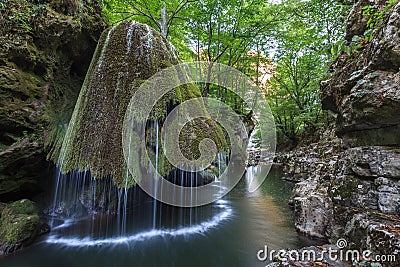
(19,225)
(45,50)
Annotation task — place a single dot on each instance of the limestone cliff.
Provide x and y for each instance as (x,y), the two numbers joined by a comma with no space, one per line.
(364,89)
(359,199)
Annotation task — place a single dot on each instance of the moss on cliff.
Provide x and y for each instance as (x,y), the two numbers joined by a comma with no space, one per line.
(127,55)
(45,49)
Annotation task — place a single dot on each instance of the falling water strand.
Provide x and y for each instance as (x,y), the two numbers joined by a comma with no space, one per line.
(103,51)
(125,210)
(201,228)
(119,211)
(148,41)
(155,175)
(129,36)
(53,211)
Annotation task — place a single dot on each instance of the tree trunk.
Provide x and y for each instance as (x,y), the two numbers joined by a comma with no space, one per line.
(164,21)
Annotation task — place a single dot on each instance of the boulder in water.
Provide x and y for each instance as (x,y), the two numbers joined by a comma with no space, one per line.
(19,225)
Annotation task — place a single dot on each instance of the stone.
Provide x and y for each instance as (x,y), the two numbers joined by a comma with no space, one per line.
(357,23)
(388,202)
(364,92)
(19,225)
(42,67)
(21,166)
(371,162)
(311,208)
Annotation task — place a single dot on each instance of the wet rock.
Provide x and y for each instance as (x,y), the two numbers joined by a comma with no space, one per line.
(19,225)
(254,157)
(42,66)
(364,89)
(312,208)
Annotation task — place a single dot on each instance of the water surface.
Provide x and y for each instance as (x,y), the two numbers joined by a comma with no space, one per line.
(227,233)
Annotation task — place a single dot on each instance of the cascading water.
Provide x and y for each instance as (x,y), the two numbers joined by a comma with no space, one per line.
(226,233)
(96,205)
(109,214)
(95,200)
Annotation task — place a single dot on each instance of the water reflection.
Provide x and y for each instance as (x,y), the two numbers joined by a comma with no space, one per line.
(256,219)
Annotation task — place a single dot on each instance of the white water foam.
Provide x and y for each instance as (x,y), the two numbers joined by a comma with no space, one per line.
(140,237)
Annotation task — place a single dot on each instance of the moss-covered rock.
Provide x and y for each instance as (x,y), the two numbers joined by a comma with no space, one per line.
(2,206)
(19,225)
(45,50)
(127,55)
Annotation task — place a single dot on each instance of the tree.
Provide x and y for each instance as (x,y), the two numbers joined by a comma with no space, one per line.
(225,31)
(302,56)
(159,15)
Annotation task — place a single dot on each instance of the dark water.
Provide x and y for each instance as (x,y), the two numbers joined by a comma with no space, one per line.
(227,233)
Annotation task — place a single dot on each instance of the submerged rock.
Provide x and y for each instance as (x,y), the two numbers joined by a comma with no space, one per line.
(19,225)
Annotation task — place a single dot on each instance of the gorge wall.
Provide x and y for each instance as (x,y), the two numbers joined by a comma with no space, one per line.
(356,196)
(45,51)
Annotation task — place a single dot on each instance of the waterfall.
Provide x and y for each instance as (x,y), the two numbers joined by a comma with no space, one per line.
(93,186)
(129,36)
(102,56)
(155,174)
(79,194)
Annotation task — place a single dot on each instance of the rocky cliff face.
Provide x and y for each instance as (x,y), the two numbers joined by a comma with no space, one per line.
(45,50)
(359,199)
(363,90)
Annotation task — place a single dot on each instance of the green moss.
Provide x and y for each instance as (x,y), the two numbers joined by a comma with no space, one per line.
(18,221)
(3,147)
(345,188)
(23,206)
(93,140)
(18,227)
